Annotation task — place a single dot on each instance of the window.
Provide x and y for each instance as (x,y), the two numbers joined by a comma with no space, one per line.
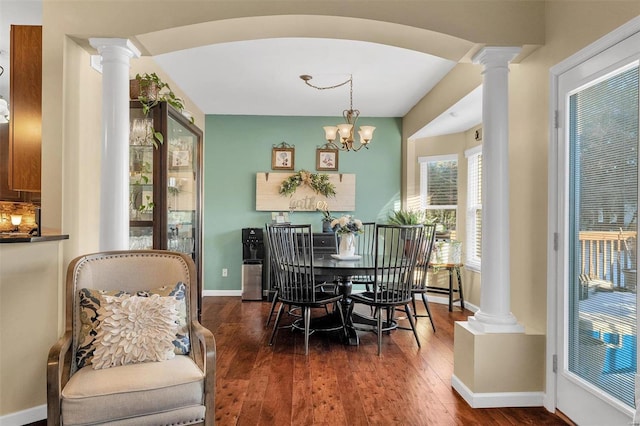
(439,189)
(474,208)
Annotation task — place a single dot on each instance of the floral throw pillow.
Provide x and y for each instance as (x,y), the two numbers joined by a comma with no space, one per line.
(135,329)
(90,301)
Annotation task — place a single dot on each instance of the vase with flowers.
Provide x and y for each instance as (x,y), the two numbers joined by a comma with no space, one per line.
(347,227)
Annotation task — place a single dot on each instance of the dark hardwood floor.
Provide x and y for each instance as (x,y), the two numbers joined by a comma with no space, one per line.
(258,384)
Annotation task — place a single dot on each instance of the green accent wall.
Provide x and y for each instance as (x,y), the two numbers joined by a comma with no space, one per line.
(237,147)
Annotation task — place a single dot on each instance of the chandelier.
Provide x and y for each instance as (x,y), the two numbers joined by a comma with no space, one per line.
(344,132)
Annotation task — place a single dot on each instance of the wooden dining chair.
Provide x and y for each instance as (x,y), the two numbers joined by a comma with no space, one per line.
(421,274)
(292,248)
(397,249)
(365,246)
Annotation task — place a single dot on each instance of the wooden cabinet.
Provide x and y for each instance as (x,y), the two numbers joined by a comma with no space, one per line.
(6,193)
(165,182)
(25,105)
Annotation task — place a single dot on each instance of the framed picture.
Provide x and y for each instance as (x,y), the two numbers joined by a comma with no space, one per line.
(282,158)
(326,159)
(280,217)
(180,160)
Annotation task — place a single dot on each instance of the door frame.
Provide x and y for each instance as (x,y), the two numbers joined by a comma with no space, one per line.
(557,196)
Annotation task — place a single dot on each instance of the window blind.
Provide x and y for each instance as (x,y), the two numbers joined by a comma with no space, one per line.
(439,188)
(474,208)
(603,136)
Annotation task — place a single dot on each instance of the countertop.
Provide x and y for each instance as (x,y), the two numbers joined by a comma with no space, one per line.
(19,237)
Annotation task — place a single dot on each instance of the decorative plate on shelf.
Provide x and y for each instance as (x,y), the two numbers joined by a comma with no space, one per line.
(346,257)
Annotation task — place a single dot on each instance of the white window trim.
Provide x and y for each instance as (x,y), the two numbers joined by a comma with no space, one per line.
(472,262)
(423,164)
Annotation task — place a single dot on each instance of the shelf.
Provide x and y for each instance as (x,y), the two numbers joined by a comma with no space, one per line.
(166,177)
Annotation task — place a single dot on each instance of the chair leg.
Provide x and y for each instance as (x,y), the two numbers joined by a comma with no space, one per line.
(407,309)
(275,325)
(379,318)
(413,302)
(306,311)
(273,307)
(426,305)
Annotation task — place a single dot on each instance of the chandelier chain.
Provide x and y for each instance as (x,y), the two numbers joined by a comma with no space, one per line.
(306,79)
(335,86)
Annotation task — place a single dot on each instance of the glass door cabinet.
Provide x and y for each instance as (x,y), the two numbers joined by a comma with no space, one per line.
(165,158)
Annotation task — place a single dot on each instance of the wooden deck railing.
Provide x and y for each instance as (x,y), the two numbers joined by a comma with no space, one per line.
(604,255)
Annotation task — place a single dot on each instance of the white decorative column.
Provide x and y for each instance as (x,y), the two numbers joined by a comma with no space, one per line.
(114,187)
(495,314)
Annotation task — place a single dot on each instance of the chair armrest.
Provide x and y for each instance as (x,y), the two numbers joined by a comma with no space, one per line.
(57,376)
(207,363)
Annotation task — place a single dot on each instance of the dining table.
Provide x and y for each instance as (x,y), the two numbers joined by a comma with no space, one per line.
(344,270)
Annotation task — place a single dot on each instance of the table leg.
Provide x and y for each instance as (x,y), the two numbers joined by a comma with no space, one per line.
(345,286)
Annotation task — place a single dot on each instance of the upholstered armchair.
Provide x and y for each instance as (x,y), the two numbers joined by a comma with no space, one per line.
(133,351)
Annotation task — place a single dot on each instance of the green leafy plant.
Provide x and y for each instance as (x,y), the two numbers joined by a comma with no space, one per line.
(152,91)
(406,217)
(148,206)
(319,182)
(326,216)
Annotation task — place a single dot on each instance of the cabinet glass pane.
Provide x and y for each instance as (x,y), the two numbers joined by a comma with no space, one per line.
(181,187)
(141,152)
(141,237)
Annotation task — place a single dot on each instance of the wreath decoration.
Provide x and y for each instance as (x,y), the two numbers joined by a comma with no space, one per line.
(319,182)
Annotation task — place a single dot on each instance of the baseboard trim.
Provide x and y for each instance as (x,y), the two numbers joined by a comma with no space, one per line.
(225,293)
(24,417)
(442,300)
(497,399)
(432,299)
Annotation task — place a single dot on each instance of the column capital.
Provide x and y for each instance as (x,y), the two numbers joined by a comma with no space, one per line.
(122,44)
(495,55)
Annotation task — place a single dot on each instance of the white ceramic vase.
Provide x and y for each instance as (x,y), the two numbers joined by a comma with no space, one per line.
(347,245)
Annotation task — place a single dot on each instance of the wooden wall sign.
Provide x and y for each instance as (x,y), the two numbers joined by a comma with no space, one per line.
(268,197)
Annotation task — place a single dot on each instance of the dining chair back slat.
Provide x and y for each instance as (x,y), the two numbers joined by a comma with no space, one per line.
(291,247)
(421,276)
(398,251)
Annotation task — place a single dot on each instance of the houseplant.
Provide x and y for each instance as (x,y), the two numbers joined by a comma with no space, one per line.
(327,218)
(150,90)
(406,217)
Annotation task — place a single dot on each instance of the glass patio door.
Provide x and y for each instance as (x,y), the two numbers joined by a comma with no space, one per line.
(597,325)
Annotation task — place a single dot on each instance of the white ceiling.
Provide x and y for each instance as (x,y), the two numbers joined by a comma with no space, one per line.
(261,77)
